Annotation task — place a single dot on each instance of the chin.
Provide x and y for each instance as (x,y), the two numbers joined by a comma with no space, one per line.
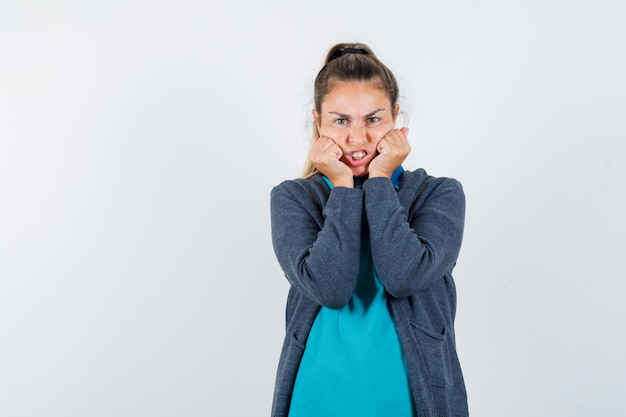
(360,171)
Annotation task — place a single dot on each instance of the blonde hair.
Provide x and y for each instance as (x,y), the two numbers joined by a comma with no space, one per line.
(349,62)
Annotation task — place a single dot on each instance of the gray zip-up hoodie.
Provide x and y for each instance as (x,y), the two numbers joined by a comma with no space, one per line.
(415,234)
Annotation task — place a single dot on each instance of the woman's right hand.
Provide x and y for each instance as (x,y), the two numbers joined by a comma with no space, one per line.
(326,155)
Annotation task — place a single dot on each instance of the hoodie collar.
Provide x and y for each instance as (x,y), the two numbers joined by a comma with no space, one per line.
(395,179)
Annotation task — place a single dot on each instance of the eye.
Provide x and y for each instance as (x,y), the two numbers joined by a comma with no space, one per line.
(341,122)
(373,119)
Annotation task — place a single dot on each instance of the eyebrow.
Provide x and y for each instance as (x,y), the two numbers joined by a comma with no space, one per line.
(347,116)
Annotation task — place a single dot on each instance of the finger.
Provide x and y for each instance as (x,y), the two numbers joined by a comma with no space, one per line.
(334,150)
(321,144)
(397,136)
(380,147)
(402,132)
(330,143)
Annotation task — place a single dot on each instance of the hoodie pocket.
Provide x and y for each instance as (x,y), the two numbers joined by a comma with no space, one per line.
(434,348)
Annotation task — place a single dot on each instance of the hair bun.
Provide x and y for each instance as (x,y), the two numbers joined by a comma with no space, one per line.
(346,51)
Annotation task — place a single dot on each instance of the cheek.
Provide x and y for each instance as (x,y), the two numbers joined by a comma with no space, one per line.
(327,129)
(337,134)
(378,133)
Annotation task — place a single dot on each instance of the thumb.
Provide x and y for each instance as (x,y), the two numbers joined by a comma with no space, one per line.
(405,130)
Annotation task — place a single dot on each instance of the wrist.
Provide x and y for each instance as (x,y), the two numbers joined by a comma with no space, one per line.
(378,174)
(343,181)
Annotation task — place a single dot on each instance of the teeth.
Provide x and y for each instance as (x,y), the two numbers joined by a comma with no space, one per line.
(357,155)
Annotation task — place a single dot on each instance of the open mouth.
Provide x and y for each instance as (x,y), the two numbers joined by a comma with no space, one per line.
(358,155)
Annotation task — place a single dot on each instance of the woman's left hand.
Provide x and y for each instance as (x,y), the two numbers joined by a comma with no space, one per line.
(392,149)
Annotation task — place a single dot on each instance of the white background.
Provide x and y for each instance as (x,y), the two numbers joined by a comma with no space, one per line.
(139,141)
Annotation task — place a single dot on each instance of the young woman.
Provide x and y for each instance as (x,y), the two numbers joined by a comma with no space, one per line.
(368,249)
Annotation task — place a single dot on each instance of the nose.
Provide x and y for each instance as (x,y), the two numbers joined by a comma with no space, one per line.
(357,135)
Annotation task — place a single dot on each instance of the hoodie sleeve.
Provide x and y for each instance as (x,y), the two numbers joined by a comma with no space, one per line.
(411,250)
(317,243)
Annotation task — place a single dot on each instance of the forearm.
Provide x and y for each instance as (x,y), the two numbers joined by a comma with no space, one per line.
(411,250)
(318,250)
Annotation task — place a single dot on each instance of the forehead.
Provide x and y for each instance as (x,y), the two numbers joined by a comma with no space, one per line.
(355,94)
(374,82)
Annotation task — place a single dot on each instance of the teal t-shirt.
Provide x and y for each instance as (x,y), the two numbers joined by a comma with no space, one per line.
(353,363)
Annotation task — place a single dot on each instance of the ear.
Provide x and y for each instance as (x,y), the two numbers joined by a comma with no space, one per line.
(396,111)
(316,118)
